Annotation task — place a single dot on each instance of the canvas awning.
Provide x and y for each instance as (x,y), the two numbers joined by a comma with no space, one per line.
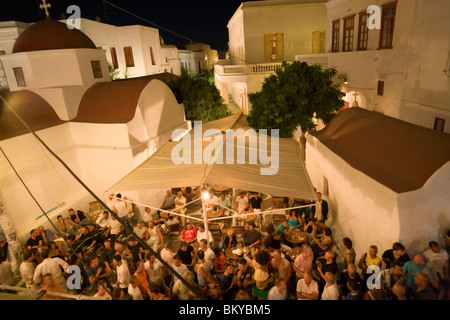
(159,171)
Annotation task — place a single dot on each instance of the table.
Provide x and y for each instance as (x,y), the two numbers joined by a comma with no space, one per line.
(221,188)
(214,214)
(295,252)
(247,218)
(229,252)
(296,237)
(320,224)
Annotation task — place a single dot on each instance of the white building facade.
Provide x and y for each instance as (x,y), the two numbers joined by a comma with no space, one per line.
(262,34)
(102,129)
(401,69)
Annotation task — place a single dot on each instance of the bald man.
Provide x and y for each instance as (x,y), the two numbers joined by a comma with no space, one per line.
(331,289)
(413,268)
(422,289)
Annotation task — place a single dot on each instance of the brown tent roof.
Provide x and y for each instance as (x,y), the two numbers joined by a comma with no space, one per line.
(114,102)
(400,155)
(34,110)
(49,34)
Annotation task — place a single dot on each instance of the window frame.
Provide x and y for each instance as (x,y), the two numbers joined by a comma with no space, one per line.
(362,25)
(383,24)
(346,39)
(129,59)
(380,88)
(97,69)
(22,77)
(114,59)
(436,122)
(335,33)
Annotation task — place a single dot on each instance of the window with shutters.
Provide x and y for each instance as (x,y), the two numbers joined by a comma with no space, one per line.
(387,25)
(349,30)
(96,69)
(129,60)
(115,62)
(363,31)
(20,79)
(335,36)
(274,47)
(319,42)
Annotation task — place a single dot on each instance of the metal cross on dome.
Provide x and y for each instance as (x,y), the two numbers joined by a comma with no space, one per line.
(45,6)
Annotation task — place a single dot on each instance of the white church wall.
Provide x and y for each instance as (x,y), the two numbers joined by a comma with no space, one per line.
(425,213)
(44,175)
(361,208)
(140,38)
(161,111)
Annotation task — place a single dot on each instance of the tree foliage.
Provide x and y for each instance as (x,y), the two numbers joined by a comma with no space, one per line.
(293,96)
(201,99)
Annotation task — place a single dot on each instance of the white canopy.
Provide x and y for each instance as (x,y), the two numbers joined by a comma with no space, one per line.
(159,171)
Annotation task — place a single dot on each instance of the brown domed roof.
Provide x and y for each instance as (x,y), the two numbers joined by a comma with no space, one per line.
(50,34)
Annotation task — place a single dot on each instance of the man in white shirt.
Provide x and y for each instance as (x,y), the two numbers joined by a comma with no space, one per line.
(212,200)
(278,291)
(223,201)
(133,289)
(103,220)
(27,270)
(52,266)
(436,258)
(209,254)
(201,234)
(331,289)
(242,203)
(120,207)
(180,201)
(115,229)
(123,273)
(154,269)
(307,288)
(179,267)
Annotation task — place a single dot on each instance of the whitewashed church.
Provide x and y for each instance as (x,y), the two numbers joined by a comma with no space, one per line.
(59,84)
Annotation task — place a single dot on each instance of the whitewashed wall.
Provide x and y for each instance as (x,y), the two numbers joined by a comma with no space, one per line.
(361,208)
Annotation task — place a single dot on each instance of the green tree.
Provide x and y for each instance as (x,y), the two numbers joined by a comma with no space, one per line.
(113,72)
(201,100)
(295,94)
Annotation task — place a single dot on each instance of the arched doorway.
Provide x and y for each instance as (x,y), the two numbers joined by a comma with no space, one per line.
(354,99)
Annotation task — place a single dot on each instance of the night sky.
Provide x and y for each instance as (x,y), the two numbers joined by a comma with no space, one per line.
(200,20)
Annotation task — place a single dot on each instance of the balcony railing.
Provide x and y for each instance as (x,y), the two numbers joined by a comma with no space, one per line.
(320,59)
(247,68)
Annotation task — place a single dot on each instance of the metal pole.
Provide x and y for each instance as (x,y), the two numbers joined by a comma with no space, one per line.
(205,218)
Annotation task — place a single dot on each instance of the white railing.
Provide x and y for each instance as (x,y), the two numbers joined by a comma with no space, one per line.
(247,68)
(320,59)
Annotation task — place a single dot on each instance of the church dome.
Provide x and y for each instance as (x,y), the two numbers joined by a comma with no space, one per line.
(50,34)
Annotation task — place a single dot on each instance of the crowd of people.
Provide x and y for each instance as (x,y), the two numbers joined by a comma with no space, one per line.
(115,265)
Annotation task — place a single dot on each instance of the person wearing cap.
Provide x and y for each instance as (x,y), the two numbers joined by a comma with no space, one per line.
(251,237)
